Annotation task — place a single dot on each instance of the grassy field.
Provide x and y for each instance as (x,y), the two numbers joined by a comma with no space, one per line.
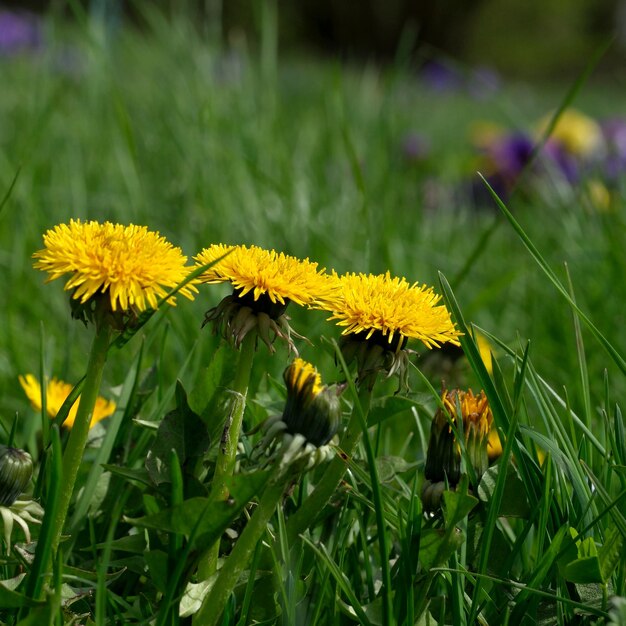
(306,157)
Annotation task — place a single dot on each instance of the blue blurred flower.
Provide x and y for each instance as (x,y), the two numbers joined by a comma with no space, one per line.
(440,77)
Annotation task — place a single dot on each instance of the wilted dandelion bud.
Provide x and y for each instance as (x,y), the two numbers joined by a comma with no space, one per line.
(471,416)
(312,409)
(16,469)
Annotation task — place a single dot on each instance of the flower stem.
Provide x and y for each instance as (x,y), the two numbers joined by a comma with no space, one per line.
(213,605)
(73,454)
(307,513)
(227,453)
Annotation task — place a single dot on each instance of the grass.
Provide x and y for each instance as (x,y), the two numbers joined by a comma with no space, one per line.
(207,145)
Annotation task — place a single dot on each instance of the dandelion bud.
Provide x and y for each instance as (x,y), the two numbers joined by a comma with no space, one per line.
(443,458)
(312,409)
(16,469)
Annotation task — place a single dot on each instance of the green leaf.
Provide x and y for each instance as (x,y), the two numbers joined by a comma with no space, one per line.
(389,466)
(583,571)
(514,502)
(139,475)
(436,546)
(610,554)
(181,430)
(585,568)
(457,504)
(387,407)
(10,599)
(213,518)
(157,563)
(135,544)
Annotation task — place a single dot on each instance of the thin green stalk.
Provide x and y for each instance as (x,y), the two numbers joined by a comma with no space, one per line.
(325,488)
(227,453)
(73,454)
(213,605)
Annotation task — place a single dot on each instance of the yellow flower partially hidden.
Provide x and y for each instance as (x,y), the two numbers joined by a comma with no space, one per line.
(133,265)
(259,272)
(56,393)
(394,308)
(579,134)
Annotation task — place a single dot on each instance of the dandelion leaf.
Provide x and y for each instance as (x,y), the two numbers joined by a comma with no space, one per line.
(181,430)
(202,517)
(514,501)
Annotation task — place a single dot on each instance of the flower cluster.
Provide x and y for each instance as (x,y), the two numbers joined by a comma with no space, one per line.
(578,147)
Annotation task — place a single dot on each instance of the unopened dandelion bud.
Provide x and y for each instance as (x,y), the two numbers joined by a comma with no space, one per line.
(443,461)
(16,469)
(312,409)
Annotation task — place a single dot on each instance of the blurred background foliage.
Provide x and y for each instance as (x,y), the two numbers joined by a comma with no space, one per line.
(531,40)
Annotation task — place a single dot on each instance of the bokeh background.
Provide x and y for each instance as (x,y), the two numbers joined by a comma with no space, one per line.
(535,40)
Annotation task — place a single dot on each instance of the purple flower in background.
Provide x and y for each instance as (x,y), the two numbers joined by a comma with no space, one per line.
(614,132)
(440,77)
(510,154)
(563,160)
(18,32)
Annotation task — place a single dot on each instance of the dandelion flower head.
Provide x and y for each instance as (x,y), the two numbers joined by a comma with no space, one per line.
(279,277)
(392,306)
(133,265)
(57,392)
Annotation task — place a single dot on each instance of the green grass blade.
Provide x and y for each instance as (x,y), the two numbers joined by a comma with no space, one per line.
(534,252)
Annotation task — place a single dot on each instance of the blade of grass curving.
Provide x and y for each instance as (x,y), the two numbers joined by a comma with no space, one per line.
(579,423)
(569,98)
(43,553)
(9,191)
(175,539)
(68,403)
(582,365)
(534,252)
(162,311)
(340,578)
(617,516)
(386,587)
(247,597)
(582,606)
(104,451)
(498,493)
(102,594)
(45,420)
(495,401)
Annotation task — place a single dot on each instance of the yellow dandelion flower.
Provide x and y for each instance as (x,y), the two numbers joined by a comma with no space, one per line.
(392,307)
(57,392)
(131,264)
(259,272)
